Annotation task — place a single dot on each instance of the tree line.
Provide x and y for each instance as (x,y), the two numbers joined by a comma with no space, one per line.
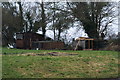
(93,17)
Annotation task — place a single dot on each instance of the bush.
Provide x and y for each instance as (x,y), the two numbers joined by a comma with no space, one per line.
(113,45)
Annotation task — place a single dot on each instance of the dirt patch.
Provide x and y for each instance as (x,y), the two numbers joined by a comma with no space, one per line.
(59,54)
(48,54)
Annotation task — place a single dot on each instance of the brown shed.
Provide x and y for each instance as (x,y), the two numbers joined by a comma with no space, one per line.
(24,40)
(31,40)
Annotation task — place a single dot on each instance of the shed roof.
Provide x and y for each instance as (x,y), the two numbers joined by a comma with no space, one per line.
(84,38)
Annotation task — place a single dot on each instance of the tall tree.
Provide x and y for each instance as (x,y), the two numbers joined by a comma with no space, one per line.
(21,16)
(43,18)
(92,15)
(61,19)
(26,12)
(54,20)
(10,22)
(43,24)
(62,23)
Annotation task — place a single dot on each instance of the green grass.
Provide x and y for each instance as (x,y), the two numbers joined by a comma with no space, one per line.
(87,64)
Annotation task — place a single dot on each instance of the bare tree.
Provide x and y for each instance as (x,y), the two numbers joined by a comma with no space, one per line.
(10,22)
(94,16)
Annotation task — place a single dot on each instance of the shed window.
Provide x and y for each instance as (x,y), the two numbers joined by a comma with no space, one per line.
(19,36)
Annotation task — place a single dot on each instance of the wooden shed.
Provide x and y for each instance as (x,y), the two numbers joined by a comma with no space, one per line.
(24,40)
(84,43)
(31,40)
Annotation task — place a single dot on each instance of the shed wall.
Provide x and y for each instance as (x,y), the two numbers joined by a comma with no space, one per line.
(20,43)
(53,45)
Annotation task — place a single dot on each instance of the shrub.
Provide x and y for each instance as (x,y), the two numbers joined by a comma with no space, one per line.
(113,45)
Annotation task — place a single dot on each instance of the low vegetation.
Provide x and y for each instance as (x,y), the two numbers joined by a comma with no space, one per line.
(85,64)
(114,45)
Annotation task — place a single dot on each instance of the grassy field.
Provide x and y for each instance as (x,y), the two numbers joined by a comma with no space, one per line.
(87,64)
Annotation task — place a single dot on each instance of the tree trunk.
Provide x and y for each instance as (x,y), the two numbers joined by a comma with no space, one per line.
(21,16)
(59,32)
(54,23)
(43,20)
(91,30)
